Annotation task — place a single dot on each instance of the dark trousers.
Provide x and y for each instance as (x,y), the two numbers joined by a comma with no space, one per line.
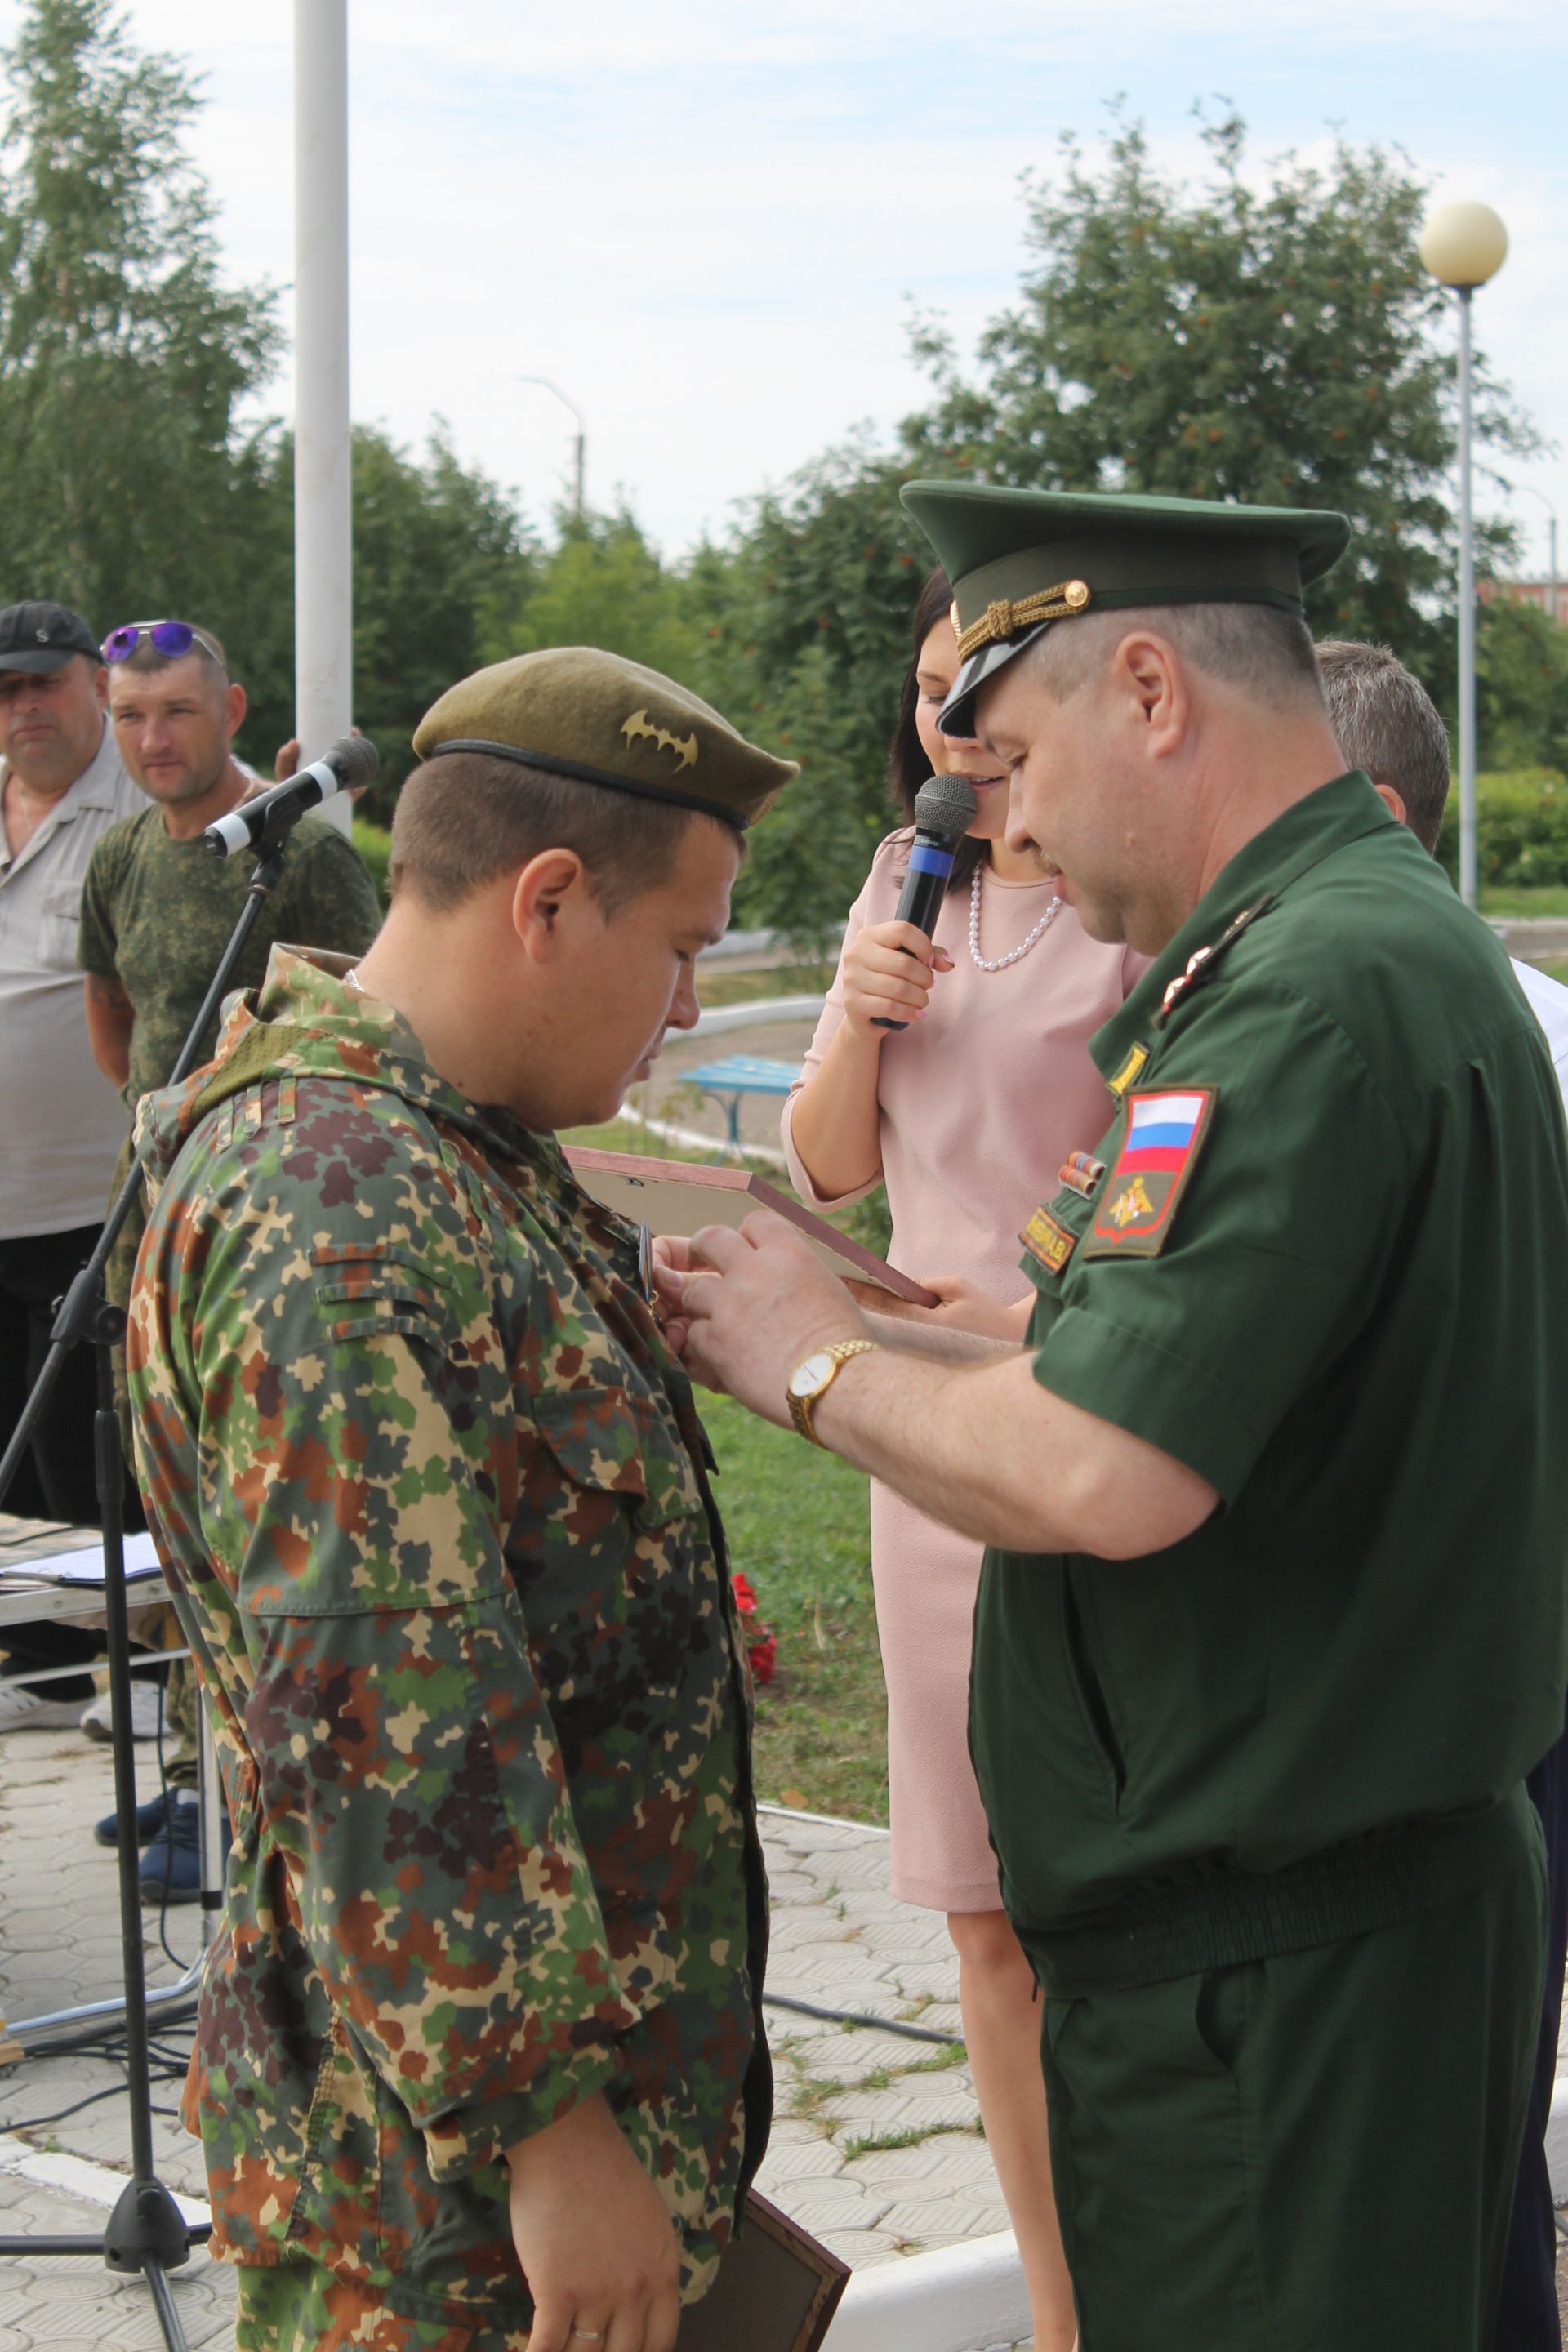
(1526,2315)
(56,1478)
(1313,2153)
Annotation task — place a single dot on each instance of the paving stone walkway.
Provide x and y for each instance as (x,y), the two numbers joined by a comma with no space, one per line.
(876,2147)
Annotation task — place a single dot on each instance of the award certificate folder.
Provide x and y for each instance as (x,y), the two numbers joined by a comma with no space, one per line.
(674,1196)
(777,2291)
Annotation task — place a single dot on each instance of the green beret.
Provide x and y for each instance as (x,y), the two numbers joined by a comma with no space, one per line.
(1021,559)
(578,712)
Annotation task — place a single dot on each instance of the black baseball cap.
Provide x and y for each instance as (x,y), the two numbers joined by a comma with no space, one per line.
(39,635)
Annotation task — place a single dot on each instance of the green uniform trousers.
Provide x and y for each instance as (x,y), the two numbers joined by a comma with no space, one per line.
(1311,2153)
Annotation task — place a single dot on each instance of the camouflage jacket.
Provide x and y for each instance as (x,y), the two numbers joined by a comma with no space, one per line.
(432,1496)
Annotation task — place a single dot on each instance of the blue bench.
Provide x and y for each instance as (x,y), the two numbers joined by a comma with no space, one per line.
(738,1075)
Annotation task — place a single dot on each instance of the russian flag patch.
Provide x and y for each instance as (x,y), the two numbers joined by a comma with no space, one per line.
(1162,1136)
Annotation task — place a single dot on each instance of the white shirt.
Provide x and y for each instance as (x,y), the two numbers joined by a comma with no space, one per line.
(61,1121)
(1548,1003)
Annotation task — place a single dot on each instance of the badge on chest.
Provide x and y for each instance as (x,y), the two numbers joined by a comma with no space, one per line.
(1162,1136)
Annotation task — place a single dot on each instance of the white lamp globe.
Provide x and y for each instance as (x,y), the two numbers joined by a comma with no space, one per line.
(1464,245)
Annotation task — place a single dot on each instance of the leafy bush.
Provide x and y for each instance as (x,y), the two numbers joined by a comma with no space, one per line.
(374,842)
(1522,829)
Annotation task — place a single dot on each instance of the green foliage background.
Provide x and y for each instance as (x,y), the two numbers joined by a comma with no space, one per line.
(1269,336)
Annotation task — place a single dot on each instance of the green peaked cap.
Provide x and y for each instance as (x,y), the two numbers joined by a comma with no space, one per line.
(575,711)
(1021,560)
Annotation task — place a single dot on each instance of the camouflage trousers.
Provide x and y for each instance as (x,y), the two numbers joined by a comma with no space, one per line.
(298,2306)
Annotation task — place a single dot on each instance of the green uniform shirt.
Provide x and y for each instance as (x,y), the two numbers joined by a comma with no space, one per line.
(1332,1279)
(156,915)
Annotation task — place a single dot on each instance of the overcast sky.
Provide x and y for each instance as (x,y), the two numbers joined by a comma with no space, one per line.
(708,222)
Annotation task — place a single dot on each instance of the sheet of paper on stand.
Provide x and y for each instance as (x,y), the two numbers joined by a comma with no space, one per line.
(84,1565)
(678,1196)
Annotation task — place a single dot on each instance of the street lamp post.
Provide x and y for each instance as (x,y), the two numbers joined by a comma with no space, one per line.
(580,440)
(1463,245)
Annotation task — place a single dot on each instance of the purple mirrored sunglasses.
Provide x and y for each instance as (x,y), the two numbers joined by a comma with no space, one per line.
(170,638)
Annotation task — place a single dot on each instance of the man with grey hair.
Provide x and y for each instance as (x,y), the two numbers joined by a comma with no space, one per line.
(61,787)
(1389,726)
(1251,1729)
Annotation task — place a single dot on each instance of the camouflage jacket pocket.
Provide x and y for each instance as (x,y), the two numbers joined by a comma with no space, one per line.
(618,1441)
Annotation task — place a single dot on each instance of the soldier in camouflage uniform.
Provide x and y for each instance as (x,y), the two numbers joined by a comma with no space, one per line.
(434,1499)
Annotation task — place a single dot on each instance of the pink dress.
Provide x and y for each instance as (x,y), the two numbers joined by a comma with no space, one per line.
(981,1103)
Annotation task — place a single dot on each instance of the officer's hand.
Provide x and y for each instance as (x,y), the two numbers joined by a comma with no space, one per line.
(768,1304)
(594,2238)
(287,763)
(887,974)
(671,1263)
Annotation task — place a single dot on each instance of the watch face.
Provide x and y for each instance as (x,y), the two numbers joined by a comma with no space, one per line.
(807,1377)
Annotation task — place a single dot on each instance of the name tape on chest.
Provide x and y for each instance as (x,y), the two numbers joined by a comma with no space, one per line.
(1049,1243)
(1162,1138)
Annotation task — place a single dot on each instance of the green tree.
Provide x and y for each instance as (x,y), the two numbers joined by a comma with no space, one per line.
(1521,687)
(603,584)
(440,557)
(122,356)
(1273,344)
(804,635)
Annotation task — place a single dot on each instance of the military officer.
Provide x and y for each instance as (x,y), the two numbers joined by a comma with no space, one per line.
(480,2062)
(1273,1625)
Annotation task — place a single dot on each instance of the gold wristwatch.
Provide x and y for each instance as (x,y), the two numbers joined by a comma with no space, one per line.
(816,1377)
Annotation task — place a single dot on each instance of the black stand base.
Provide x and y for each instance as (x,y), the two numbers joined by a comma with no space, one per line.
(147,2226)
(148,2233)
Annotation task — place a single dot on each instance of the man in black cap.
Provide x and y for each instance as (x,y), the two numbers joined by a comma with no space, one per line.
(62,785)
(1274,1620)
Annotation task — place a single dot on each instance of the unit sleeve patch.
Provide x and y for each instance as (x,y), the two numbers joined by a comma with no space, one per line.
(1161,1140)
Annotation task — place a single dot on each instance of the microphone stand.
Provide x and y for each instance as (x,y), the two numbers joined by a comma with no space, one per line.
(146,2231)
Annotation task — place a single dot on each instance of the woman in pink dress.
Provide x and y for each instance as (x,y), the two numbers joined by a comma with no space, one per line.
(966,1115)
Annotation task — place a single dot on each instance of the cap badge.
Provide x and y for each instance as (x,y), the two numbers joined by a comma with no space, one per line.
(1007,615)
(685,747)
(42,636)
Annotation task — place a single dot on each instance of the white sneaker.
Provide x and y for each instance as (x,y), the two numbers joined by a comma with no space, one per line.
(23,1710)
(146,1712)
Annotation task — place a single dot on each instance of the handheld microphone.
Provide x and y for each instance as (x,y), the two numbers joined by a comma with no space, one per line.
(344,769)
(944,811)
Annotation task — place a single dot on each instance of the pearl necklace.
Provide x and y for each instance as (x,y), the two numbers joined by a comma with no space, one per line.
(1000,963)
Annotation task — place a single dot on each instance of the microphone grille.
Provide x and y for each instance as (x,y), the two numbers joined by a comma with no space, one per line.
(945,805)
(354,760)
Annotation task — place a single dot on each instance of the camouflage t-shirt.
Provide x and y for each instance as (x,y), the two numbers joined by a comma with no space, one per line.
(156,915)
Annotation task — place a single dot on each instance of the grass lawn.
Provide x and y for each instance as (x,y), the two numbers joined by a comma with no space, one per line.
(1519,905)
(797,1525)
(718,986)
(1558,970)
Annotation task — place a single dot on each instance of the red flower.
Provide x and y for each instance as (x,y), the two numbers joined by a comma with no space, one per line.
(745,1598)
(763,1655)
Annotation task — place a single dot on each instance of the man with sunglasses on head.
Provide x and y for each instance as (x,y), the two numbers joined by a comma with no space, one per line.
(61,785)
(156,914)
(158,907)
